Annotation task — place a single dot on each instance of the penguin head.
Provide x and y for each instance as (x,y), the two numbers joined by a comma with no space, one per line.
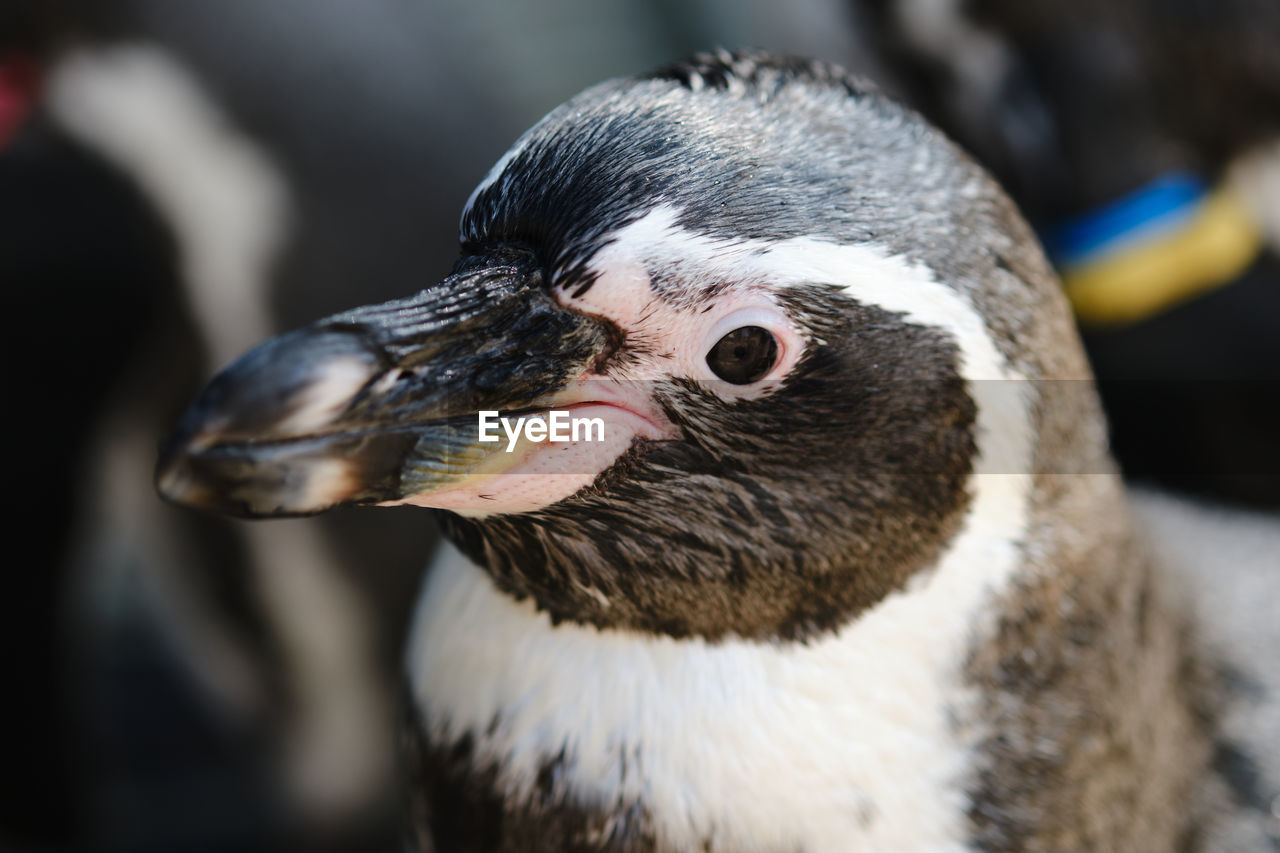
(802,319)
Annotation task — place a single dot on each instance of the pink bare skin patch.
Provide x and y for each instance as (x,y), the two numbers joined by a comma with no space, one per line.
(670,341)
(663,341)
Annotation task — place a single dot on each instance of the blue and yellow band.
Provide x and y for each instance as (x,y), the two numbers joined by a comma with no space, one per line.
(1160,246)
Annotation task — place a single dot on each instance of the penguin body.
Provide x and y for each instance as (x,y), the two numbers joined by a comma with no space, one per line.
(634,726)
(853,569)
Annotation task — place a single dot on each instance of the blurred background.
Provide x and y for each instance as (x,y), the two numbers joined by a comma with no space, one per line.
(180,179)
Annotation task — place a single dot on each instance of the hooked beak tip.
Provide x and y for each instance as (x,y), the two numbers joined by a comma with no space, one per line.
(178,484)
(236,481)
(173,480)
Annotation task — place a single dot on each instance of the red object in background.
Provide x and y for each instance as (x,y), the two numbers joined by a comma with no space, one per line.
(19,79)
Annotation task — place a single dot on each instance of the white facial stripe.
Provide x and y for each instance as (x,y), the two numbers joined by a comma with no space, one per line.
(491,177)
(874,277)
(845,741)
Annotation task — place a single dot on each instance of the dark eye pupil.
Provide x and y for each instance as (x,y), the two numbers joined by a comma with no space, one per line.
(744,355)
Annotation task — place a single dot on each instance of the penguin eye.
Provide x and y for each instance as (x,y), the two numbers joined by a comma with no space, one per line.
(744,355)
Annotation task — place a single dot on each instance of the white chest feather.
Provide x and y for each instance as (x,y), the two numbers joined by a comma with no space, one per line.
(849,741)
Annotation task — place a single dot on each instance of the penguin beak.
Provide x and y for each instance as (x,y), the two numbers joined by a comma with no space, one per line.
(380,403)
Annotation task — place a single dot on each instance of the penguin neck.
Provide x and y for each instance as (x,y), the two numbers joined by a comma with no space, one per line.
(788,542)
(641,723)
(745,562)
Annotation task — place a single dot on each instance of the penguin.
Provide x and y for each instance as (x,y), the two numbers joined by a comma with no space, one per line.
(848,565)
